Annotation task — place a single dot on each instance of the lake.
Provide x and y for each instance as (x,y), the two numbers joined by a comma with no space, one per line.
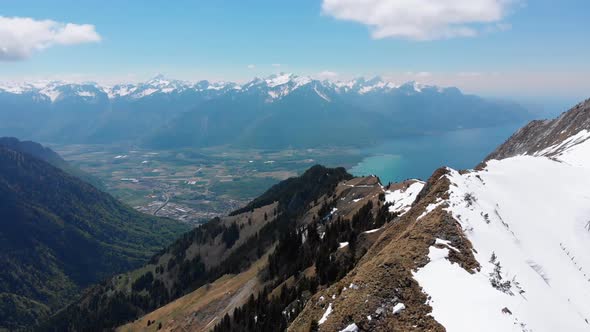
(418,157)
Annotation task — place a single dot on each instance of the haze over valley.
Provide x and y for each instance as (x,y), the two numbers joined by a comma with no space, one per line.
(304,166)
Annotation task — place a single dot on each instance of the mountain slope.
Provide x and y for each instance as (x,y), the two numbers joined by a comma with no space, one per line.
(501,248)
(541,134)
(532,247)
(59,234)
(34,149)
(206,307)
(222,246)
(46,154)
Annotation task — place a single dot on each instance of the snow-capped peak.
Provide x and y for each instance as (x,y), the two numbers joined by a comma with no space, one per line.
(280,85)
(377,84)
(362,86)
(159,81)
(286,78)
(276,80)
(51,92)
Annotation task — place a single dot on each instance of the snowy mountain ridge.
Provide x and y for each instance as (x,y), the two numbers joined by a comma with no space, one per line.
(275,87)
(167,113)
(528,220)
(503,247)
(547,137)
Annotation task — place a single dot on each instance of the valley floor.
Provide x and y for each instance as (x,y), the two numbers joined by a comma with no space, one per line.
(195,185)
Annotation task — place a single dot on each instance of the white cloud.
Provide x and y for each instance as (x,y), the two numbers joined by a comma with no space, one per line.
(276,65)
(422,19)
(22,36)
(419,74)
(326,75)
(251,66)
(469,74)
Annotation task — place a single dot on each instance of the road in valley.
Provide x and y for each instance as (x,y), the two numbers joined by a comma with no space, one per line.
(167,199)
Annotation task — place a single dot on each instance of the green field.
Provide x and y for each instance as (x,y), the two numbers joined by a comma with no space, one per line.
(195,184)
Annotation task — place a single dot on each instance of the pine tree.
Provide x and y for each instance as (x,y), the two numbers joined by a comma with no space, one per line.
(496,277)
(314,327)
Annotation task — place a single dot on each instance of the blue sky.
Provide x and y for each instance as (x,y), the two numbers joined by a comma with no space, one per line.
(533,47)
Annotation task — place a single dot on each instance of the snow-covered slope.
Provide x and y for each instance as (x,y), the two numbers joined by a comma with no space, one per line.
(528,219)
(532,214)
(504,247)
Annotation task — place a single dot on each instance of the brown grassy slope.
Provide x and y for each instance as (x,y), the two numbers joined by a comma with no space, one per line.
(383,277)
(212,253)
(202,309)
(216,252)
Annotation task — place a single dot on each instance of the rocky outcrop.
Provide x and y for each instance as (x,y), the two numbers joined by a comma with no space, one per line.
(541,134)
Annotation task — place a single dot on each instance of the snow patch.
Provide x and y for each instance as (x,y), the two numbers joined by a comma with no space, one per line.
(86,94)
(430,208)
(322,95)
(145,93)
(325,315)
(372,231)
(398,308)
(350,328)
(445,243)
(50,92)
(402,199)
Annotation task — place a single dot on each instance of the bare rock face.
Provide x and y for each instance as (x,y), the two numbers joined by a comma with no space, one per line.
(540,134)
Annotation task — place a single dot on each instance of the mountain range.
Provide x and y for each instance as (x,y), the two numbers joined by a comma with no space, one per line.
(273,112)
(501,247)
(273,87)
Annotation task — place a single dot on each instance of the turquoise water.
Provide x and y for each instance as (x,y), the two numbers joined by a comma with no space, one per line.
(418,157)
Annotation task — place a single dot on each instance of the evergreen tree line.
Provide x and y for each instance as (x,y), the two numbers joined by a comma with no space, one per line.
(266,313)
(297,250)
